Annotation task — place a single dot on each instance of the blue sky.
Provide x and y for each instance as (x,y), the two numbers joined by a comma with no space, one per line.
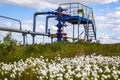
(106,12)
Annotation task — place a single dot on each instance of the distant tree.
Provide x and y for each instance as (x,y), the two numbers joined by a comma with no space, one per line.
(98,41)
(9,43)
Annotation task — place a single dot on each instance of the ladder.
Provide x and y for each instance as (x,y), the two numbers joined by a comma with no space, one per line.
(90,28)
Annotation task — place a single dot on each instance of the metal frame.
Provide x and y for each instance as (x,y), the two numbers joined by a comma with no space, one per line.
(86,12)
(13,19)
(61,18)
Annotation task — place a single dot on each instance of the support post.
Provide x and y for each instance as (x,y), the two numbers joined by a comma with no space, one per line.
(33,35)
(78,28)
(51,39)
(73,33)
(24,40)
(87,32)
(43,39)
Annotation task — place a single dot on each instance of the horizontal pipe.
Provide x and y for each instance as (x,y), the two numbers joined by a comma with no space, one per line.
(24,32)
(10,29)
(14,20)
(27,32)
(38,33)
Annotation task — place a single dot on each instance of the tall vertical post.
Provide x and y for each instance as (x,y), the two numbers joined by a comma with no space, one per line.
(33,35)
(34,27)
(78,28)
(26,39)
(23,39)
(51,39)
(73,33)
(33,40)
(49,33)
(70,9)
(43,39)
(24,35)
(78,31)
(87,32)
(78,23)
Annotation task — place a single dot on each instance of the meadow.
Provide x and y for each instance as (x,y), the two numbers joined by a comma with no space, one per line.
(59,61)
(88,67)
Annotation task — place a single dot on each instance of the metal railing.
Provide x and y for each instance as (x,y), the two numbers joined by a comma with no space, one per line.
(77,8)
(14,20)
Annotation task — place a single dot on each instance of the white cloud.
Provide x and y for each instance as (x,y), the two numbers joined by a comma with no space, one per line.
(108,27)
(117,8)
(43,4)
(106,38)
(27,25)
(115,14)
(109,20)
(53,28)
(117,29)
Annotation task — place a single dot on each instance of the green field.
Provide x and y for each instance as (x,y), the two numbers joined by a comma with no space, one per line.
(11,50)
(59,61)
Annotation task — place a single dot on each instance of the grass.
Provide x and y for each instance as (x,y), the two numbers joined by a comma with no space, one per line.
(17,52)
(11,50)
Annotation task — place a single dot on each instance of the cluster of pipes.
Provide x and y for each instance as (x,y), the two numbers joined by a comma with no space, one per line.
(33,33)
(62,18)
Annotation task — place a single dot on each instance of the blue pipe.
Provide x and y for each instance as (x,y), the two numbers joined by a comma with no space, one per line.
(34,19)
(40,13)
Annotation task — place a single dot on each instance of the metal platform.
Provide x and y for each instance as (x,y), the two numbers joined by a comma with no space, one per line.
(74,19)
(80,14)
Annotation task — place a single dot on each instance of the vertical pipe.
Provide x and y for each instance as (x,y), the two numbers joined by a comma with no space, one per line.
(26,39)
(63,32)
(43,39)
(78,8)
(70,9)
(20,26)
(87,32)
(78,28)
(85,36)
(34,27)
(73,32)
(87,27)
(33,40)
(24,36)
(46,25)
(78,23)
(34,22)
(23,39)
(86,13)
(51,39)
